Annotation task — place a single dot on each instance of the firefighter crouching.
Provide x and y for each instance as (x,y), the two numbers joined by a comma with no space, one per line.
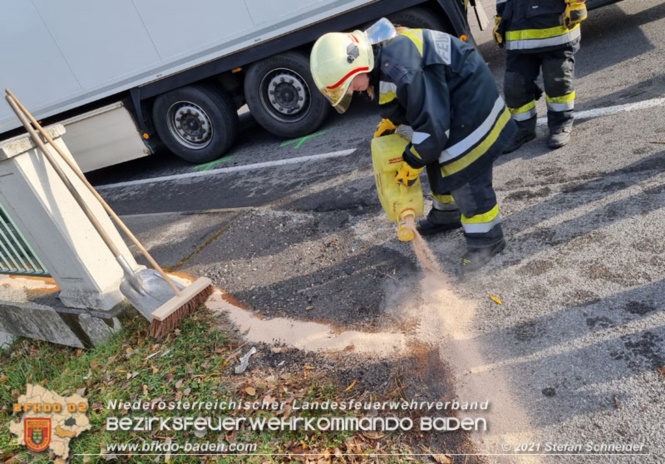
(442,88)
(540,34)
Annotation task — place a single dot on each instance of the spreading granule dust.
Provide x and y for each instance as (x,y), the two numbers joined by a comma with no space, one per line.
(443,315)
(444,320)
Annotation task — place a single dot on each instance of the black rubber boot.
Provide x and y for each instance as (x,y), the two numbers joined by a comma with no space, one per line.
(559,137)
(481,248)
(475,258)
(439,221)
(526,132)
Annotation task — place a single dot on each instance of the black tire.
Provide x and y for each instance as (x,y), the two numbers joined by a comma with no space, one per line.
(282,97)
(196,123)
(419,18)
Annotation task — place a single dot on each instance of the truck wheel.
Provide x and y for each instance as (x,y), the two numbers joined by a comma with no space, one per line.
(420,18)
(282,97)
(196,123)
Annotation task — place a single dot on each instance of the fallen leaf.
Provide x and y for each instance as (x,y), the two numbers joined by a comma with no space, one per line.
(145,389)
(352,385)
(154,369)
(441,459)
(373,435)
(308,368)
(250,391)
(178,384)
(496,299)
(287,411)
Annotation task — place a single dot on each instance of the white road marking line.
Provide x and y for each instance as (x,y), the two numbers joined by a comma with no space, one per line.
(599,112)
(214,172)
(588,114)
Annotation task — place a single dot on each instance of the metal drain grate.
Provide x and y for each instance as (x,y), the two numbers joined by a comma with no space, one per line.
(16,256)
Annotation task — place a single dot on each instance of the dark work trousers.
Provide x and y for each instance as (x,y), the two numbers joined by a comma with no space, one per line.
(481,220)
(558,66)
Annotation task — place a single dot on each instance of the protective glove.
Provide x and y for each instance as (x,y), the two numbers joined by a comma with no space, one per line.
(498,35)
(385,127)
(407,175)
(574,13)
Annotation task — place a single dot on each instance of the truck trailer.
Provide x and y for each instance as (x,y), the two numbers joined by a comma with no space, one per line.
(128,76)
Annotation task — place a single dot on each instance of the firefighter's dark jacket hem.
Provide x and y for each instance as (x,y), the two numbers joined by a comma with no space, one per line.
(534,26)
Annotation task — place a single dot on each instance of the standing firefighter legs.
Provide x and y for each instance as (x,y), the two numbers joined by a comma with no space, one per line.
(558,72)
(521,92)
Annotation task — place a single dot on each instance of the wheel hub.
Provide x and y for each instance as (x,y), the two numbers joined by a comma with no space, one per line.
(286,93)
(190,124)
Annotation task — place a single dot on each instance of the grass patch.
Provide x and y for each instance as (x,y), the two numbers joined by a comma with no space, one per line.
(194,364)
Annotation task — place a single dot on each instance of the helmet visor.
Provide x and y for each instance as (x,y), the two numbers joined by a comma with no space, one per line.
(339,97)
(344,103)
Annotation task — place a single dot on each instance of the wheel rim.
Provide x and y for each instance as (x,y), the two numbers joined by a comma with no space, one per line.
(190,125)
(285,94)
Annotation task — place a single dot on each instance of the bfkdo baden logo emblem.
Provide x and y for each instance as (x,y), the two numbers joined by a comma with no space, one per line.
(46,421)
(37,433)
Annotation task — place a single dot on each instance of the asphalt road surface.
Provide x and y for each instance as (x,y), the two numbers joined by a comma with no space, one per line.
(294,229)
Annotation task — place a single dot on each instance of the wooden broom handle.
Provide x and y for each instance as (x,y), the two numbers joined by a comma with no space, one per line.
(92,190)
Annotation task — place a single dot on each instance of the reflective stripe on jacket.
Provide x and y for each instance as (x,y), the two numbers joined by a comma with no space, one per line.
(535,25)
(442,88)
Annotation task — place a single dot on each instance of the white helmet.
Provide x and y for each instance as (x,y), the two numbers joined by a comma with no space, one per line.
(337,57)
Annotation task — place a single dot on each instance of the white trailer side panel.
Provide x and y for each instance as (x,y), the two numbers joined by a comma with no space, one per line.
(59,55)
(198,24)
(101,41)
(31,63)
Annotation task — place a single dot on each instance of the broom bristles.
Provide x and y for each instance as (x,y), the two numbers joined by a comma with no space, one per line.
(169,316)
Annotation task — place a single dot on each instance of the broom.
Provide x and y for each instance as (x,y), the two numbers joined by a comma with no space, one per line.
(167,316)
